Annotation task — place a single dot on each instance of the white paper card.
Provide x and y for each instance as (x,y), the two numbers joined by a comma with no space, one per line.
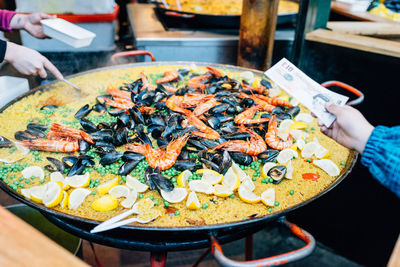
(311,94)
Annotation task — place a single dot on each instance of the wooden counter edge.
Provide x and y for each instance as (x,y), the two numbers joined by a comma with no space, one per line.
(23,245)
(394,260)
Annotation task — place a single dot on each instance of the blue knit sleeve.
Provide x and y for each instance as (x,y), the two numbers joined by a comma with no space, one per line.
(382,156)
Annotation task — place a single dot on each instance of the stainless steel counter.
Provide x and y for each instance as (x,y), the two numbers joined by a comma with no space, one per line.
(219,46)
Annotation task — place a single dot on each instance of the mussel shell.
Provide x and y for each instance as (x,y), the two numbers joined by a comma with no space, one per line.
(268,155)
(105,135)
(266,83)
(83,112)
(182,165)
(231,110)
(219,109)
(277,173)
(4,142)
(23,135)
(155,130)
(116,112)
(120,136)
(162,142)
(36,126)
(246,102)
(212,89)
(103,149)
(266,115)
(110,158)
(197,144)
(49,107)
(125,120)
(214,122)
(278,110)
(241,158)
(184,155)
(157,120)
(103,125)
(132,156)
(88,126)
(209,143)
(293,111)
(128,167)
(69,161)
(84,146)
(157,181)
(210,164)
(99,108)
(35,132)
(136,115)
(226,162)
(57,164)
(283,116)
(77,168)
(237,136)
(183,72)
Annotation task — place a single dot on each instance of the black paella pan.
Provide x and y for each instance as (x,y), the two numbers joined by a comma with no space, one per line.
(176,238)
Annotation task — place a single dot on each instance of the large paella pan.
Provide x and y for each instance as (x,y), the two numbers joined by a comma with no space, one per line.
(201,146)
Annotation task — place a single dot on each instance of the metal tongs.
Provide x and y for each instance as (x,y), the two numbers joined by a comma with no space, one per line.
(115,221)
(73,85)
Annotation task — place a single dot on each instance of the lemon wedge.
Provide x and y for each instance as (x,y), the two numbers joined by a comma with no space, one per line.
(297,134)
(201,171)
(212,177)
(328,166)
(64,201)
(134,183)
(247,75)
(286,155)
(178,194)
(201,187)
(53,195)
(248,183)
(289,170)
(247,196)
(26,192)
(268,197)
(183,177)
(239,172)
(105,203)
(298,125)
(285,125)
(222,190)
(192,201)
(267,166)
(103,188)
(305,117)
(77,197)
(129,200)
(321,152)
(78,181)
(34,171)
(119,191)
(37,193)
(314,148)
(231,179)
(300,143)
(58,177)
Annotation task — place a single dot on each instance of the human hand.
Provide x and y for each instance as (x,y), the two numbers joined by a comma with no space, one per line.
(30,23)
(29,62)
(350,128)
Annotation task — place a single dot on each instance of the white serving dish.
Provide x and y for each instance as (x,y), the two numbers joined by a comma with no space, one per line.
(12,87)
(67,32)
(65,6)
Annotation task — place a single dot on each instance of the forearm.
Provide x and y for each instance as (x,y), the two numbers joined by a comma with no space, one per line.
(3,48)
(382,156)
(5,20)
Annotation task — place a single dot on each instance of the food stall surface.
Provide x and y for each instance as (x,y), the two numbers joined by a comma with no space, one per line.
(219,46)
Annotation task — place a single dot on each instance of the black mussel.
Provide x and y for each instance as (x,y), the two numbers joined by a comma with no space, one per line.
(197,144)
(23,135)
(77,168)
(246,102)
(84,146)
(184,155)
(35,132)
(4,142)
(212,89)
(87,160)
(116,112)
(69,161)
(162,142)
(155,130)
(161,106)
(172,125)
(105,135)
(182,165)
(120,137)
(266,84)
(157,181)
(128,167)
(293,111)
(99,108)
(209,143)
(56,165)
(103,125)
(100,99)
(156,119)
(277,173)
(182,91)
(183,72)
(237,136)
(210,164)
(88,126)
(83,112)
(278,110)
(136,115)
(231,110)
(49,107)
(110,158)
(219,109)
(239,109)
(132,156)
(229,100)
(214,122)
(241,158)
(105,149)
(125,120)
(223,118)
(268,155)
(36,126)
(226,162)
(159,96)
(266,115)
(228,130)
(283,116)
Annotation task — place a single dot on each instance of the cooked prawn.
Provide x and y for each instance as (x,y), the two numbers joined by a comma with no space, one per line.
(198,82)
(215,72)
(168,77)
(204,107)
(272,138)
(138,148)
(119,103)
(116,93)
(274,101)
(246,117)
(52,145)
(68,132)
(206,131)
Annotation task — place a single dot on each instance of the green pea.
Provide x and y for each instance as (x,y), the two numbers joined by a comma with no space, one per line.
(264,181)
(20,178)
(270,210)
(140,195)
(27,181)
(166,203)
(93,192)
(204,206)
(291,192)
(232,196)
(308,160)
(151,197)
(270,180)
(177,213)
(254,179)
(313,128)
(342,163)
(244,218)
(276,203)
(42,181)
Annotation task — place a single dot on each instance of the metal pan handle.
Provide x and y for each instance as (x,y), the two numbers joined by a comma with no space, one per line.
(349,88)
(270,261)
(131,53)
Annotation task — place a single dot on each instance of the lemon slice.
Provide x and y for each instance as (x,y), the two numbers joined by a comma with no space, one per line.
(78,181)
(103,188)
(58,177)
(283,135)
(201,171)
(286,155)
(289,170)
(300,143)
(192,201)
(299,125)
(211,177)
(321,152)
(222,190)
(77,197)
(285,125)
(306,117)
(239,172)
(175,196)
(53,195)
(309,149)
(201,187)
(294,147)
(248,183)
(119,191)
(34,171)
(231,179)
(247,196)
(268,197)
(105,203)
(37,193)
(247,75)
(134,183)
(328,166)
(274,91)
(297,134)
(129,200)
(64,201)
(183,177)
(267,166)
(26,192)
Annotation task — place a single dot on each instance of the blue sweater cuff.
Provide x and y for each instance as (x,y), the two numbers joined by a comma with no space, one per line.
(373,145)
